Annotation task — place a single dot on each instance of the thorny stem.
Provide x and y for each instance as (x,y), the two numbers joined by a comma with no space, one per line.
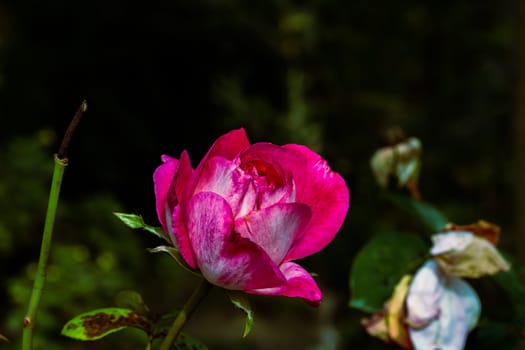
(184,315)
(60,160)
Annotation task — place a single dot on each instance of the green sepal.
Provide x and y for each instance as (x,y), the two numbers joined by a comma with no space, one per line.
(175,254)
(424,212)
(98,323)
(379,266)
(135,221)
(240,301)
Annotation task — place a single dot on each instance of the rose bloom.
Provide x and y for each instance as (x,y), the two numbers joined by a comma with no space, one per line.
(248,211)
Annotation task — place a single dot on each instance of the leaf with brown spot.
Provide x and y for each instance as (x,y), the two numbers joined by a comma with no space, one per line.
(98,323)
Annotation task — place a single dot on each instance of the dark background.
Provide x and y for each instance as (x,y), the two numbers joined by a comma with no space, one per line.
(163,76)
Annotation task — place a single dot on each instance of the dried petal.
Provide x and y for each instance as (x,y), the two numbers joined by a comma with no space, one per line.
(461,253)
(482,228)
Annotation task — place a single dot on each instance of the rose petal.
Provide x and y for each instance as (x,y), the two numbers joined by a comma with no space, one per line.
(396,314)
(273,183)
(220,175)
(275,228)
(229,145)
(461,253)
(316,185)
(163,179)
(482,228)
(181,238)
(376,326)
(169,181)
(299,284)
(224,257)
(424,295)
(447,304)
(325,192)
(184,174)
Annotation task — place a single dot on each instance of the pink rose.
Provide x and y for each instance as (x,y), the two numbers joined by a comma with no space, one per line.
(247,211)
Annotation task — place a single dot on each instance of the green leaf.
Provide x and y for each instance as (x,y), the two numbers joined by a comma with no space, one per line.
(135,221)
(185,342)
(379,266)
(240,301)
(98,323)
(132,300)
(511,283)
(2,338)
(428,215)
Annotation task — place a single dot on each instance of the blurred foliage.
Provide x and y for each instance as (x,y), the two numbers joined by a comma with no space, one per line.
(165,76)
(380,265)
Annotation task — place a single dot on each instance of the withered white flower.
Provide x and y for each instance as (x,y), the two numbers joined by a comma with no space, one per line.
(441,309)
(463,254)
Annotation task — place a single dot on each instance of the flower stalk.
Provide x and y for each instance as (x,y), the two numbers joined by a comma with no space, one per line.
(60,161)
(38,285)
(183,316)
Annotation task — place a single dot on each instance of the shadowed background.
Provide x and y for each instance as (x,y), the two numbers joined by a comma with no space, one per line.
(163,76)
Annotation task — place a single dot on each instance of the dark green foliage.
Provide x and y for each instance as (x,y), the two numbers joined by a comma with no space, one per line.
(380,265)
(431,219)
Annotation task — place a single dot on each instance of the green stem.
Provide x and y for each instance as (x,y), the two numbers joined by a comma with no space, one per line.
(183,316)
(40,279)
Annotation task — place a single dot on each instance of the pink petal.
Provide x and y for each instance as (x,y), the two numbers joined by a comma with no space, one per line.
(163,179)
(221,176)
(274,182)
(169,180)
(184,175)
(317,186)
(275,228)
(326,193)
(229,145)
(180,237)
(299,284)
(224,257)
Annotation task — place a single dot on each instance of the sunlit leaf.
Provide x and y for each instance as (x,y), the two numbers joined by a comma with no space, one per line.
(462,254)
(379,266)
(132,300)
(424,212)
(135,221)
(98,323)
(239,300)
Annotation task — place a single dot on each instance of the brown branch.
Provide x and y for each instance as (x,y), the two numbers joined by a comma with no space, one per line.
(62,151)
